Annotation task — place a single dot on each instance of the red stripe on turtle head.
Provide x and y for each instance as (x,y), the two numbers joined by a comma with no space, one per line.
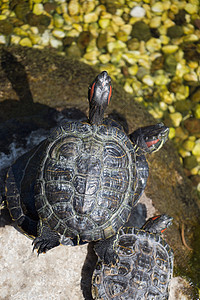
(110,94)
(92,91)
(149,144)
(156,217)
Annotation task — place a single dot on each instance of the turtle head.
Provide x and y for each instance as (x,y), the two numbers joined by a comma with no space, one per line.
(158,224)
(99,95)
(150,138)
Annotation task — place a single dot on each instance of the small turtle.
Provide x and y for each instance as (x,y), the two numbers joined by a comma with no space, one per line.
(144,266)
(80,184)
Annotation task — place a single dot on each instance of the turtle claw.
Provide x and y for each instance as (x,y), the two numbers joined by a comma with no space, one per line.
(46,240)
(41,245)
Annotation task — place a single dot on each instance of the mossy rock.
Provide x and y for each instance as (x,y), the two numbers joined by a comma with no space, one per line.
(141,31)
(175,31)
(36,20)
(6,27)
(170,64)
(21,10)
(183,106)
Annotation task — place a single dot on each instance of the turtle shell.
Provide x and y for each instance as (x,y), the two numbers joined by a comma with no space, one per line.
(85,187)
(19,190)
(143,270)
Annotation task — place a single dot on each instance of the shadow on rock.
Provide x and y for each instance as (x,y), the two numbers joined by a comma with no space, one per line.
(87,272)
(16,74)
(20,117)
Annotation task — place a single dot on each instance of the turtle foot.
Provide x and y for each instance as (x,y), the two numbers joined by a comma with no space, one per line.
(43,245)
(46,240)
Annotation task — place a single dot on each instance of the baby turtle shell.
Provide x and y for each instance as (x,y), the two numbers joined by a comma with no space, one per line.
(143,270)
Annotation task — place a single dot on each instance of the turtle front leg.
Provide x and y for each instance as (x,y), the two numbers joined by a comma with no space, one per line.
(46,239)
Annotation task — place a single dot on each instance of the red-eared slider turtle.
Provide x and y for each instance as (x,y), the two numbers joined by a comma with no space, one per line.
(144,266)
(80,184)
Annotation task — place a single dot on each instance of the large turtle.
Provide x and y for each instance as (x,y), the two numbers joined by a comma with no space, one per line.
(144,266)
(80,184)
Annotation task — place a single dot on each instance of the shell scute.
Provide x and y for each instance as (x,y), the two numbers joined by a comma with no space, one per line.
(115,179)
(144,262)
(63,210)
(145,247)
(115,287)
(55,221)
(58,191)
(54,170)
(103,130)
(109,199)
(124,214)
(60,131)
(16,212)
(40,200)
(66,148)
(125,245)
(83,128)
(140,280)
(79,223)
(88,165)
(114,156)
(46,212)
(124,268)
(83,205)
(100,216)
(86,185)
